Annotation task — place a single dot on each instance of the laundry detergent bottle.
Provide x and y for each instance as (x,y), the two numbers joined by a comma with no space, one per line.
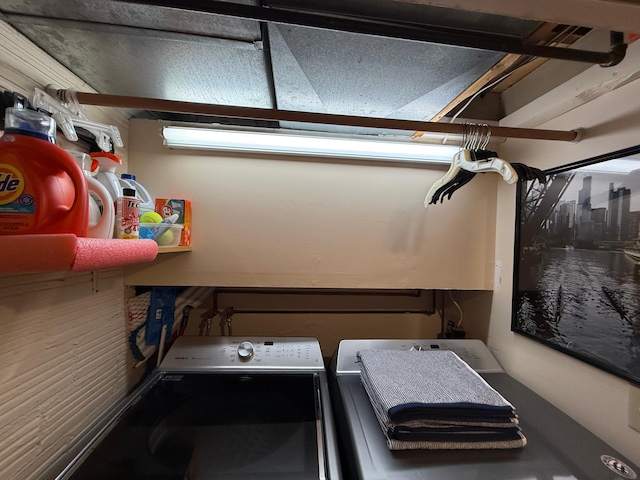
(147,202)
(101,212)
(106,166)
(42,187)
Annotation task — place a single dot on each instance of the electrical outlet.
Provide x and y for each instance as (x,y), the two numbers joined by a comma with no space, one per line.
(634,407)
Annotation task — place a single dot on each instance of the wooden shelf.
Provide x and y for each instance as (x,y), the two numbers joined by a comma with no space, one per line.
(174,249)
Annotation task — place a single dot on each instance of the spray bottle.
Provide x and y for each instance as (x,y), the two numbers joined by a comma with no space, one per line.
(106,167)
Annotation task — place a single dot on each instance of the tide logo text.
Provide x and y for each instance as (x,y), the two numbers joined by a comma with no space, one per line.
(11,184)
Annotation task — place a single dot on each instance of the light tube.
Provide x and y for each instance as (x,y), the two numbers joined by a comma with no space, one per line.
(308,145)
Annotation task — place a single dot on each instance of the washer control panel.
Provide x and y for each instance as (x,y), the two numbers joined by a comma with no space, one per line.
(473,352)
(243,353)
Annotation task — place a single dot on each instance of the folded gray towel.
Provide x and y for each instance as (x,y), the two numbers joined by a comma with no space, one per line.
(434,400)
(434,378)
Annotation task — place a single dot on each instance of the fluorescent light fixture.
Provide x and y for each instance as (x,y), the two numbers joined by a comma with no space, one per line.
(307,145)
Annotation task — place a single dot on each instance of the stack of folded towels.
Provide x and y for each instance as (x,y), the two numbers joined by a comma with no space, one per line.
(434,400)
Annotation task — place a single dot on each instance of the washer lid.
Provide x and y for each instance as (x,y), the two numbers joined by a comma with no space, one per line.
(218,426)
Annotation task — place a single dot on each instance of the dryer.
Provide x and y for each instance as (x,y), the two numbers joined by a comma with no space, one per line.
(558,448)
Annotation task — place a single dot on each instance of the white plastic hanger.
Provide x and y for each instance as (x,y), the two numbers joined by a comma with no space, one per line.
(70,117)
(474,137)
(462,161)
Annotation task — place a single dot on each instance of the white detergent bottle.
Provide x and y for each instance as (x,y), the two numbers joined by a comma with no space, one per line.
(107,164)
(103,228)
(147,203)
(102,200)
(101,205)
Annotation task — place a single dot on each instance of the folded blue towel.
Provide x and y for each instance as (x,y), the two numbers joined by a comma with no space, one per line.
(458,411)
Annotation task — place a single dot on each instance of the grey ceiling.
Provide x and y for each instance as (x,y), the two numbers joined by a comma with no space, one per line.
(158,52)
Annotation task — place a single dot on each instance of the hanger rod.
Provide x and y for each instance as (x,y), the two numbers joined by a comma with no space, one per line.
(193,108)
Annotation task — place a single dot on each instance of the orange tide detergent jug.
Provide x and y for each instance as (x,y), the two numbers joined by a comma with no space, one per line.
(42,187)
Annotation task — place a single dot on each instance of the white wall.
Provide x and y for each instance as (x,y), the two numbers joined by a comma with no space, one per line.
(594,398)
(64,359)
(281,222)
(265,221)
(390,320)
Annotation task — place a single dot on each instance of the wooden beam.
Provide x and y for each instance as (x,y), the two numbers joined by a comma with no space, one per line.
(545,34)
(519,74)
(503,65)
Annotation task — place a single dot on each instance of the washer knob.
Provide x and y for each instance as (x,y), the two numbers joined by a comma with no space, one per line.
(245,350)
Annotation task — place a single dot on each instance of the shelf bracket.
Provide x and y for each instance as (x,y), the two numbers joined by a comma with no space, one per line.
(95,280)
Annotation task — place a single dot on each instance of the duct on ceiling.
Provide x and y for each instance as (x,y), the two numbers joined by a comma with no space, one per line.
(365,58)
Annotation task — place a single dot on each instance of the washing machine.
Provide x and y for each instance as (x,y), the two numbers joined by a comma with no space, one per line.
(221,408)
(557,448)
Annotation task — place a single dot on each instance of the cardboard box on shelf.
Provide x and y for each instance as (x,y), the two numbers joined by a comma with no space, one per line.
(168,206)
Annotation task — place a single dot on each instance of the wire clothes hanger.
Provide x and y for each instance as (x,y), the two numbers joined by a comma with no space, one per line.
(473,158)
